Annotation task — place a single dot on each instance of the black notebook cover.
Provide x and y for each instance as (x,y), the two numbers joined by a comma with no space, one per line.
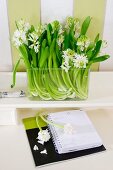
(52,156)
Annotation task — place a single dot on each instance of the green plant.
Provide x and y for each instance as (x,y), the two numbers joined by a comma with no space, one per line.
(57,57)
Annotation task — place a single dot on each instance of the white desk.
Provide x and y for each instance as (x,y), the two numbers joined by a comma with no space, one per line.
(15,152)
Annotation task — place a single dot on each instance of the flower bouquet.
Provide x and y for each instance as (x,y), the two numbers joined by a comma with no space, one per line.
(57,58)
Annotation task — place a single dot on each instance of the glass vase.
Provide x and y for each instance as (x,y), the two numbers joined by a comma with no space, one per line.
(57,84)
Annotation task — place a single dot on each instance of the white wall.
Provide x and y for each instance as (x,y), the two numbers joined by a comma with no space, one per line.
(56,10)
(108,35)
(5,50)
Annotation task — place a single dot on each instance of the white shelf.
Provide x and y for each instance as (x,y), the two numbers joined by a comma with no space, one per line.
(15,152)
(100,93)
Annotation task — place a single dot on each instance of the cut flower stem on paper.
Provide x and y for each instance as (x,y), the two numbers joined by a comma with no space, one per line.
(44,135)
(57,58)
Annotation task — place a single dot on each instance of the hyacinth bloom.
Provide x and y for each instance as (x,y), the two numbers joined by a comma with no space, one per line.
(44,135)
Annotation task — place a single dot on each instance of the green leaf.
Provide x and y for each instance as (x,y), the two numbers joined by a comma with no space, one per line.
(24,53)
(52,47)
(85,25)
(100,59)
(42,49)
(72,30)
(39,56)
(44,58)
(58,54)
(91,46)
(55,34)
(66,41)
(42,36)
(49,34)
(33,54)
(89,53)
(96,49)
(97,38)
(31,29)
(50,27)
(44,43)
(71,39)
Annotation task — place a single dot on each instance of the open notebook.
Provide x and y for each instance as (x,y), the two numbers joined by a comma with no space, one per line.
(84,134)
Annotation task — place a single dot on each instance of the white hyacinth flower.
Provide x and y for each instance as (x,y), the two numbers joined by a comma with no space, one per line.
(56,26)
(83,42)
(77,34)
(41,29)
(68,129)
(35,47)
(80,61)
(44,135)
(67,56)
(68,53)
(19,38)
(60,40)
(77,24)
(65,67)
(24,26)
(87,43)
(70,21)
(80,43)
(61,31)
(33,37)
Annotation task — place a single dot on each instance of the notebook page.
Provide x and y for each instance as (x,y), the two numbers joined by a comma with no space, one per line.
(84,136)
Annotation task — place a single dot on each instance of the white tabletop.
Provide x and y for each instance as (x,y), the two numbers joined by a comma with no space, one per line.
(15,152)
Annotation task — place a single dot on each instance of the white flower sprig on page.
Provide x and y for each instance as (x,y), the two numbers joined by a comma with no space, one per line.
(44,135)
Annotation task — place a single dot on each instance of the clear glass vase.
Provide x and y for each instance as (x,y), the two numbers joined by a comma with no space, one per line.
(56,84)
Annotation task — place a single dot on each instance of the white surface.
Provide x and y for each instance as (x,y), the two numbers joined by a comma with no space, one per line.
(100,93)
(5,49)
(8,116)
(56,10)
(15,153)
(108,36)
(72,140)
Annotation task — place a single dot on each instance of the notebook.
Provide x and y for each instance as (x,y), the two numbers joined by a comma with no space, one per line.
(84,134)
(52,156)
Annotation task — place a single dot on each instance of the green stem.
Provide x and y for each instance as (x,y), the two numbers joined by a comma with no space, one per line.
(37,122)
(53,90)
(42,93)
(51,123)
(14,72)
